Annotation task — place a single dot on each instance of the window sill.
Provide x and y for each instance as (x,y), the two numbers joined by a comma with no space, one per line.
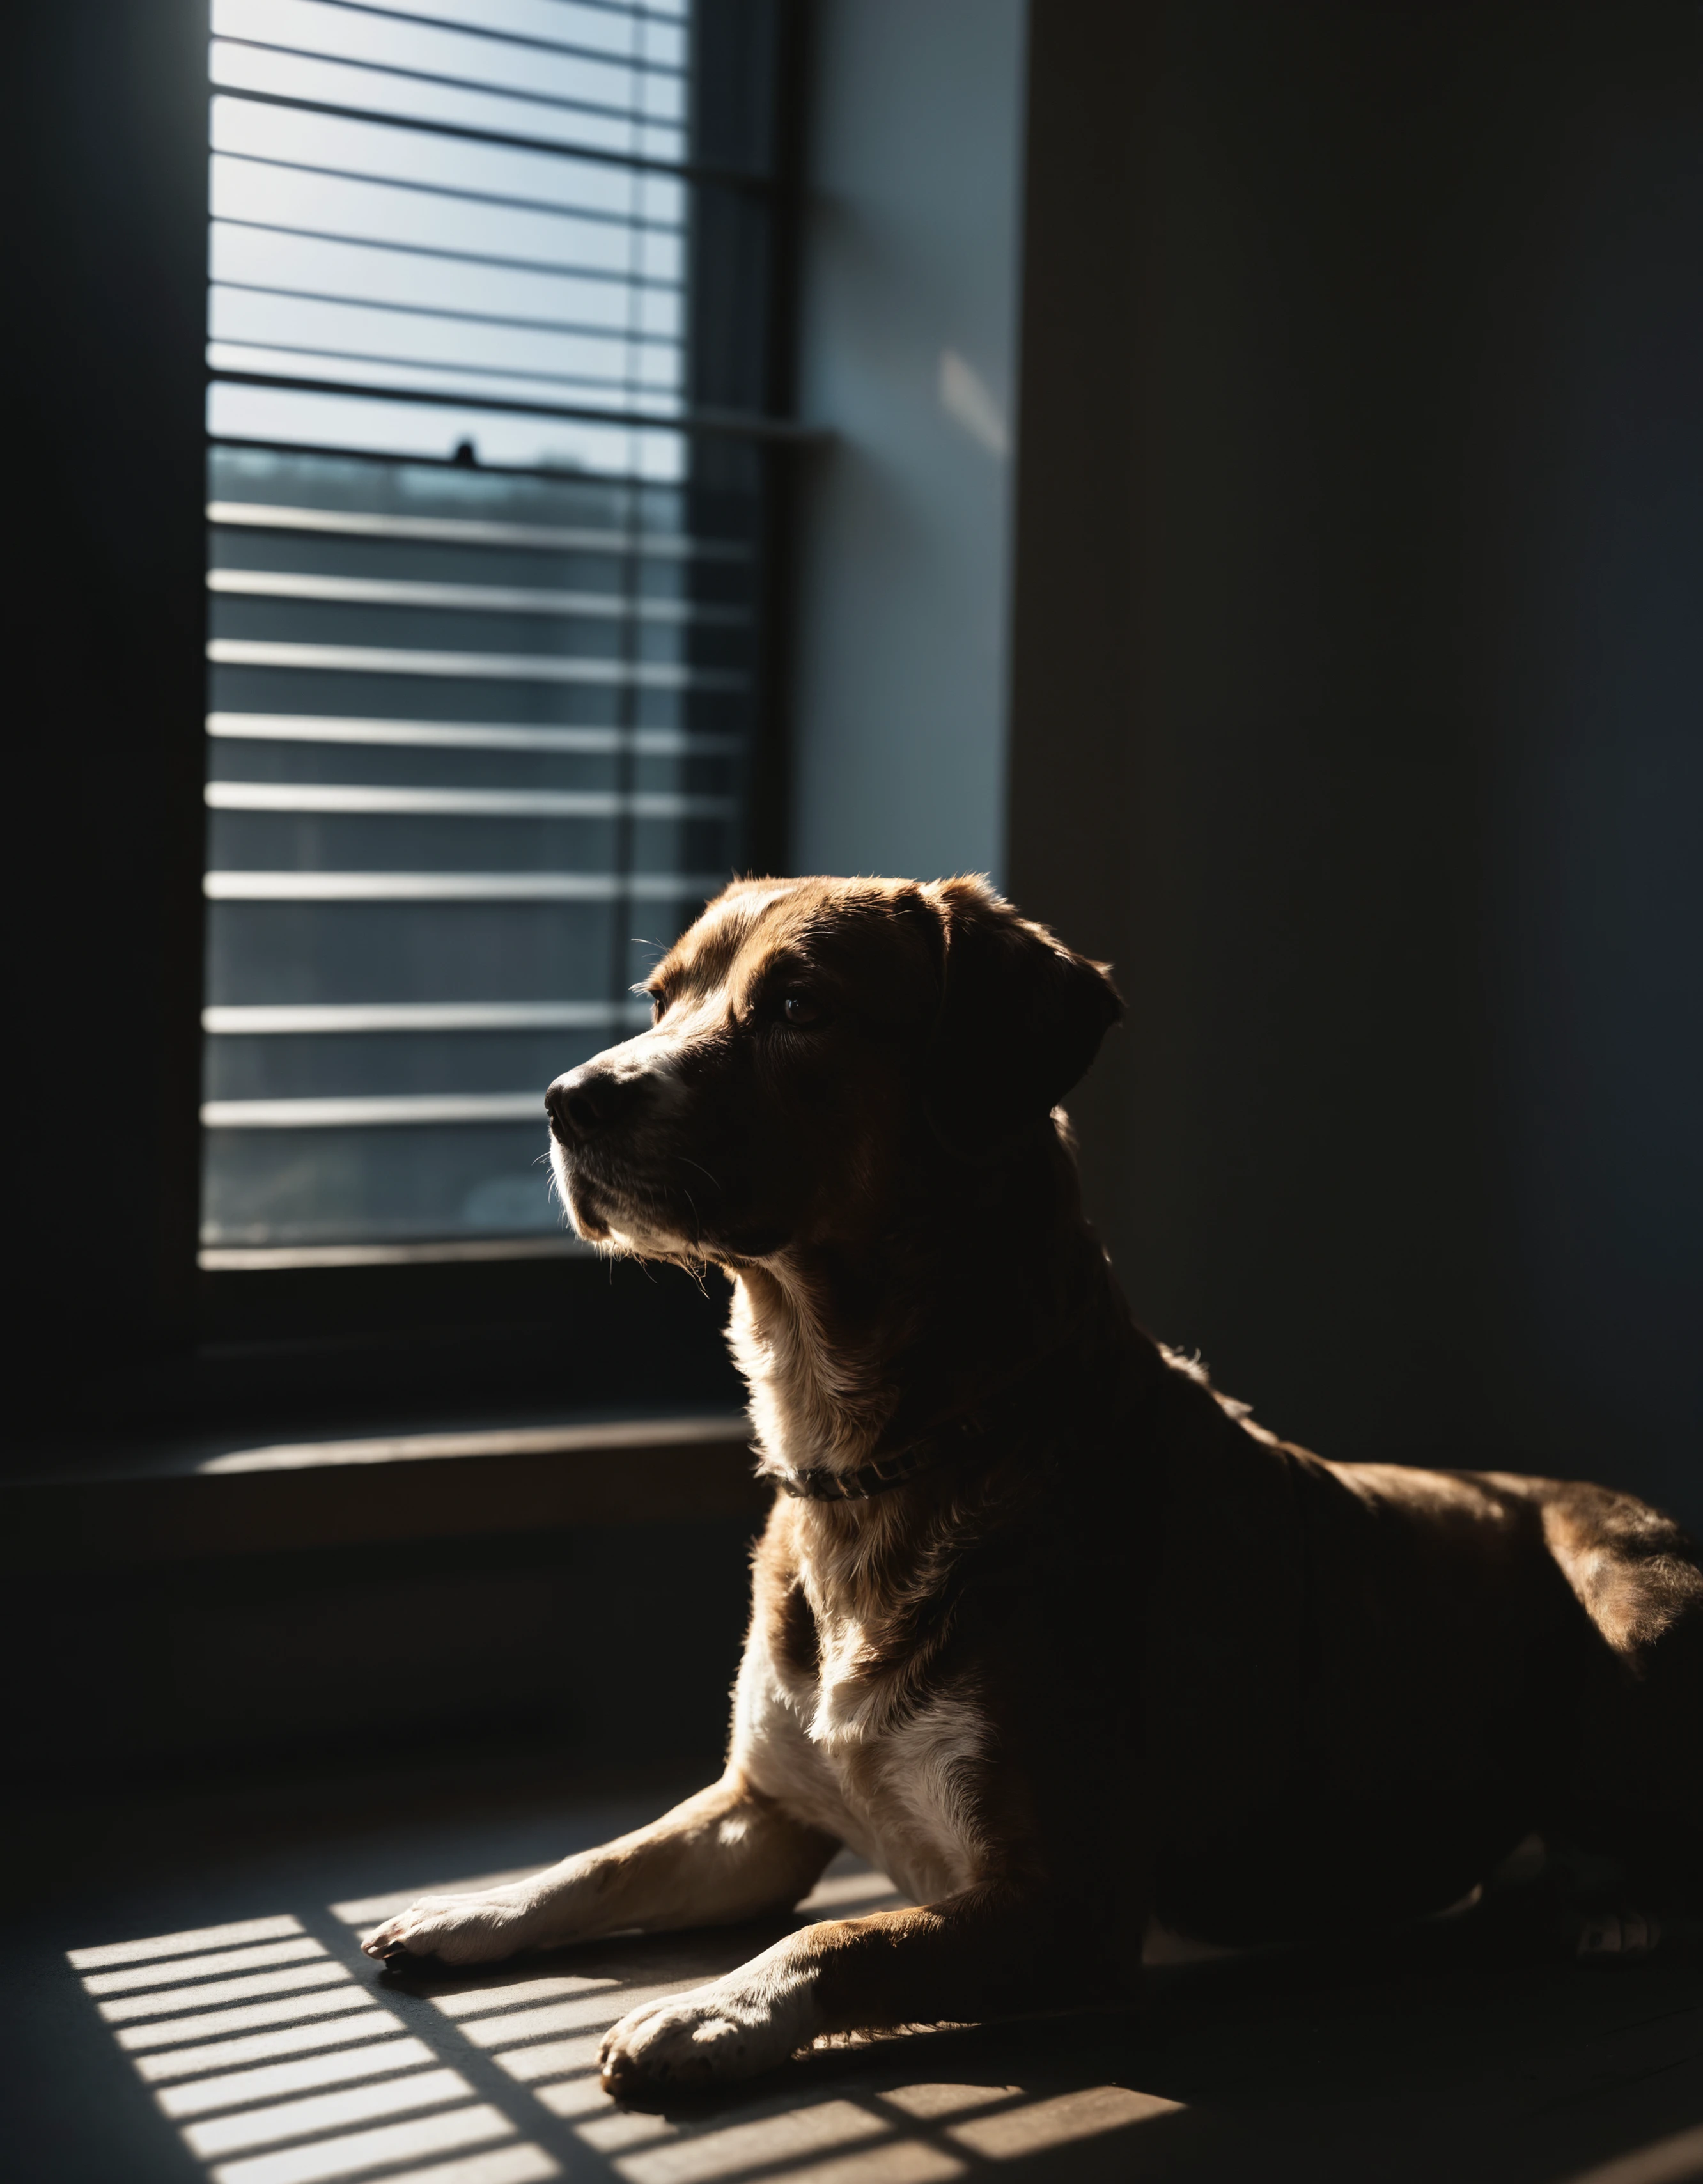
(189,1501)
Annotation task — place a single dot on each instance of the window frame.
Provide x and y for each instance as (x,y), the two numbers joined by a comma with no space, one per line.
(480,1297)
(128,1333)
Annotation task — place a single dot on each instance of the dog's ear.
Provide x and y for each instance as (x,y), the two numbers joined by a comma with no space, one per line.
(1021,1018)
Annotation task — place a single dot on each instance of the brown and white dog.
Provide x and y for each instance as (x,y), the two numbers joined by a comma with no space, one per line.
(1042,1627)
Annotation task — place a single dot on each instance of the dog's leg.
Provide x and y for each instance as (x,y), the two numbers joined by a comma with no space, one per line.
(1636,1796)
(986,1953)
(727,1854)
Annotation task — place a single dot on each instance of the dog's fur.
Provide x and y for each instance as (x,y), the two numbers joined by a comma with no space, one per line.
(1118,1654)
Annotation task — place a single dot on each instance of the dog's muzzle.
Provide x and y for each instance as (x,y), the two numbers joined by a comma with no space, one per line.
(591,1100)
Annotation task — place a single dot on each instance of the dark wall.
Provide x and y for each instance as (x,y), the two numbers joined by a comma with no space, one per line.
(105,114)
(567,1638)
(1357,700)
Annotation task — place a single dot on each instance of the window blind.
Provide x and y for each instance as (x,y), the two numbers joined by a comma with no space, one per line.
(489,292)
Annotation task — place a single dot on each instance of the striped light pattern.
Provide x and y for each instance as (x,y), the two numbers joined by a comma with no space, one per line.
(483,588)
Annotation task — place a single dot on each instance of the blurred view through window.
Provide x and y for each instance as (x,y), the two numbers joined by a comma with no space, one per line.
(484,651)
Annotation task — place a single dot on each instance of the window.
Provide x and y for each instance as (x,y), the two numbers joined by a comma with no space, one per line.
(490,330)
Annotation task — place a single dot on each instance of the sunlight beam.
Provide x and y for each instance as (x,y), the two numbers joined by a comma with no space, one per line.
(581,2013)
(236,1990)
(325,2112)
(176,1945)
(473,2001)
(369,2149)
(828,2128)
(189,1968)
(350,1998)
(370,2023)
(503,2165)
(552,2058)
(236,2089)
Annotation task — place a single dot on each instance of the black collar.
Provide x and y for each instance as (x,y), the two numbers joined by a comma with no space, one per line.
(821,1483)
(972,1430)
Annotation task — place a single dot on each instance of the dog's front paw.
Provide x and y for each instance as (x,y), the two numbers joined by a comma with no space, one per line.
(732,2030)
(459,1930)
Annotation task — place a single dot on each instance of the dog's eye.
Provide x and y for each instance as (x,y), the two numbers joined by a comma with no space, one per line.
(802,1010)
(659,1007)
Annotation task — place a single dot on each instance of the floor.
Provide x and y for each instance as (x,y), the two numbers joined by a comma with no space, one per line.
(186,2001)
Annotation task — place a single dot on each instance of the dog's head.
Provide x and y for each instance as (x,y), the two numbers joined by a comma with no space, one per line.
(818,1046)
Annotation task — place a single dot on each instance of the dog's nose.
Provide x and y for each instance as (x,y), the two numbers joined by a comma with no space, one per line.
(587,1099)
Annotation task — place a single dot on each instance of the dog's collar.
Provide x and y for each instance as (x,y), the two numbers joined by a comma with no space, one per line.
(821,1483)
(966,1432)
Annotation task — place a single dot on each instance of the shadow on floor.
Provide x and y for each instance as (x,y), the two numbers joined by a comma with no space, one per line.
(218,2023)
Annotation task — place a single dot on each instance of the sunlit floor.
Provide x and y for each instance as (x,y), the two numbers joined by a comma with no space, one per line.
(257,2045)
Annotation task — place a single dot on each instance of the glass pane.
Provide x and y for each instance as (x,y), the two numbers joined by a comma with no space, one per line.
(482,631)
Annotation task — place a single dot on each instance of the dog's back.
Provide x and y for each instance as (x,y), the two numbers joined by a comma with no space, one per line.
(1368,1682)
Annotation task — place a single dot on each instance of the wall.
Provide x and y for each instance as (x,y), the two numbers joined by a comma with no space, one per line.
(1357,700)
(907,341)
(304,1657)
(105,106)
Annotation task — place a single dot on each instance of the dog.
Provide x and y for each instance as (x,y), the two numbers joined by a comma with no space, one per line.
(1043,1626)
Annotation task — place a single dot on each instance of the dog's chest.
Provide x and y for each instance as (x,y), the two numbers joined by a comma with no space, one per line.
(890,1774)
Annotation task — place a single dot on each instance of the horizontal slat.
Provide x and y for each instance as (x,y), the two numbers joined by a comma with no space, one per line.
(604,97)
(616,21)
(465,531)
(250,255)
(459,803)
(226,65)
(435,309)
(564,269)
(375,1112)
(617,88)
(733,423)
(463,598)
(467,735)
(477,666)
(384,206)
(459,887)
(450,377)
(248,1021)
(644,221)
(306,80)
(385,146)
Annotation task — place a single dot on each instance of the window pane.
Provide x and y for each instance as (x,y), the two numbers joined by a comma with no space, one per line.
(483,644)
